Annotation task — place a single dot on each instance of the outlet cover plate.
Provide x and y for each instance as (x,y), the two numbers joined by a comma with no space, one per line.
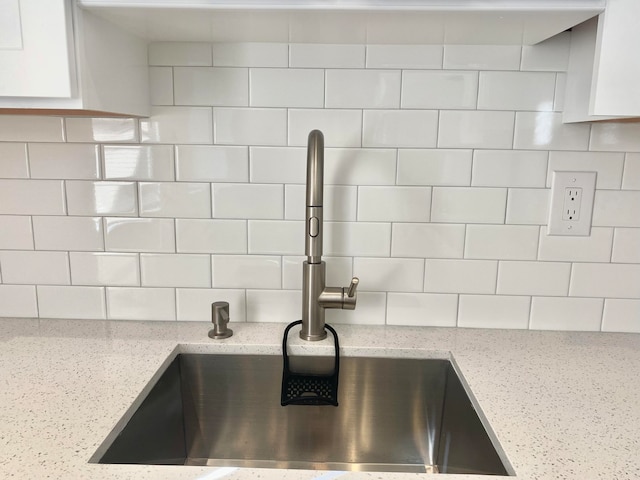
(558,222)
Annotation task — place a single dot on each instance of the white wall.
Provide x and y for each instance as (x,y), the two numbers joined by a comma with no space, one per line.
(437,176)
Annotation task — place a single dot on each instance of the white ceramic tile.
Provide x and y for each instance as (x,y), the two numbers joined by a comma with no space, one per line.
(533,278)
(613,208)
(13,160)
(561,88)
(278,165)
(370,310)
(30,128)
(117,269)
(400,128)
(101,198)
(237,200)
(161,85)
(475,129)
(44,268)
(211,86)
(594,248)
(509,168)
(140,235)
(15,233)
(552,55)
(183,200)
(608,166)
(339,203)
(528,206)
(246,271)
(482,57)
(362,89)
(361,239)
(309,55)
(64,161)
(581,314)
(180,53)
(194,304)
(501,242)
(277,306)
(468,205)
(267,237)
(626,245)
(175,270)
(339,271)
(394,204)
(621,316)
(404,56)
(493,311)
(516,91)
(460,276)
(354,166)
(71,302)
(422,309)
(18,301)
(284,87)
(615,137)
(141,303)
(32,197)
(427,240)
(434,167)
(389,274)
(68,233)
(250,126)
(631,177)
(605,280)
(248,54)
(205,163)
(138,162)
(341,128)
(178,125)
(439,89)
(211,236)
(545,131)
(123,130)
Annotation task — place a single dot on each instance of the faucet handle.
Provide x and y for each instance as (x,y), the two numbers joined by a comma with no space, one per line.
(352,288)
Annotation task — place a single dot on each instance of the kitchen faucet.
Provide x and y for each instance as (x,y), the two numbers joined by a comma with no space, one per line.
(316,296)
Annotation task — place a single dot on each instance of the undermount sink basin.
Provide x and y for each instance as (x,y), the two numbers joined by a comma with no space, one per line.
(397,415)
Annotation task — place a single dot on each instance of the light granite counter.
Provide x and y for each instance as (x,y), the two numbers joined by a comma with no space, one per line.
(563,405)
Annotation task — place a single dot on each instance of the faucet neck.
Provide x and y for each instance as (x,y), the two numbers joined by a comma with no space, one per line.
(315,185)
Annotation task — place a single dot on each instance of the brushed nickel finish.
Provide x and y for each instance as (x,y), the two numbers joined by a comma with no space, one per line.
(220,319)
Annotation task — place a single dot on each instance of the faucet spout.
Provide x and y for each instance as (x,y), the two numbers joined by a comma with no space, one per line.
(315,187)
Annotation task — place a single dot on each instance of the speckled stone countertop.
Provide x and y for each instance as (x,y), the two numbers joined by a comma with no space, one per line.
(563,405)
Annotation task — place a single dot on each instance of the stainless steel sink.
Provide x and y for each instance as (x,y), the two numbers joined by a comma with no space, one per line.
(398,415)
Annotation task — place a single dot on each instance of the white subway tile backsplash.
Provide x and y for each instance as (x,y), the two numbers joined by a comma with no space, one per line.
(427,240)
(178,125)
(64,161)
(394,204)
(267,237)
(355,166)
(528,206)
(35,268)
(68,233)
(605,280)
(434,167)
(71,302)
(362,89)
(31,197)
(475,129)
(482,57)
(509,168)
(28,128)
(277,306)
(286,87)
(615,137)
(175,270)
(389,274)
(582,314)
(180,53)
(140,235)
(205,163)
(15,233)
(211,236)
(626,245)
(194,304)
(116,269)
(404,56)
(339,270)
(516,91)
(545,131)
(613,208)
(250,126)
(182,200)
(13,160)
(493,311)
(106,130)
(460,276)
(357,239)
(533,278)
(501,242)
(370,311)
(631,177)
(257,201)
(161,85)
(422,309)
(468,205)
(246,271)
(400,128)
(211,86)
(249,54)
(561,87)
(339,203)
(18,301)
(593,248)
(278,165)
(341,128)
(621,316)
(608,166)
(138,162)
(551,55)
(440,89)
(101,198)
(141,303)
(310,55)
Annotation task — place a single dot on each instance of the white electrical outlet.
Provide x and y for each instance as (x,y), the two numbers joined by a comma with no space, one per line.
(572,196)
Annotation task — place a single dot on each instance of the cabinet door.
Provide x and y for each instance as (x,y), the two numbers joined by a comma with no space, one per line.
(36,48)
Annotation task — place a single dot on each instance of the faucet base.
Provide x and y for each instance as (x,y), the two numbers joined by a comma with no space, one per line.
(313,338)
